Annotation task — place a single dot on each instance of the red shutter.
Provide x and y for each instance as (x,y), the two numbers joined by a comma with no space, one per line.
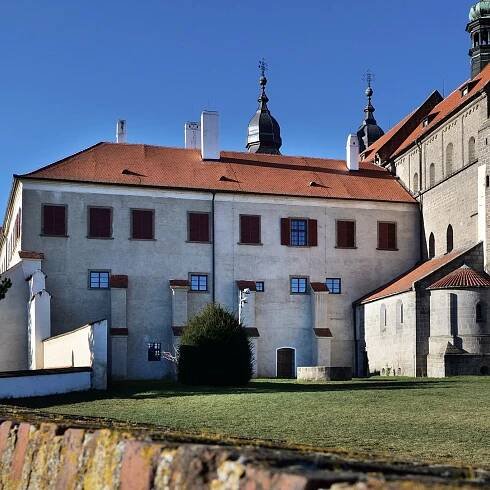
(387,236)
(312,233)
(392,236)
(142,224)
(199,227)
(250,229)
(54,220)
(100,222)
(285,231)
(346,234)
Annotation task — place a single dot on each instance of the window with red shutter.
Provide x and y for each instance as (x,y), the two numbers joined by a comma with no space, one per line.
(387,236)
(250,229)
(346,234)
(198,227)
(142,224)
(99,222)
(285,231)
(312,233)
(54,220)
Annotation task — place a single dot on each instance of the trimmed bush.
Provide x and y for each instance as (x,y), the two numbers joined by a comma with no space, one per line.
(215,350)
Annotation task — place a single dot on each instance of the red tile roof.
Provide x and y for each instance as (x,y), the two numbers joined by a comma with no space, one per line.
(242,285)
(23,254)
(153,166)
(178,283)
(406,281)
(436,115)
(319,287)
(464,277)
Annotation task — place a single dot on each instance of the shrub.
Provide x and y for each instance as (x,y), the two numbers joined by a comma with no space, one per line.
(215,350)
(5,285)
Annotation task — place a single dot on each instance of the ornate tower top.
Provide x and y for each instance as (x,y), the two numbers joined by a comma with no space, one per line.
(264,133)
(479,30)
(369,131)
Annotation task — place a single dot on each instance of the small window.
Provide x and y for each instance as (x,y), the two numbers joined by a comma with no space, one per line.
(334,285)
(260,286)
(142,224)
(465,91)
(154,351)
(249,229)
(432,175)
(198,227)
(415,185)
(298,285)
(383,320)
(299,236)
(471,150)
(449,239)
(54,220)
(346,234)
(387,236)
(480,315)
(199,282)
(99,222)
(99,279)
(432,246)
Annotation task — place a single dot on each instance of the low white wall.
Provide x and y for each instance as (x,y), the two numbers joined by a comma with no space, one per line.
(44,384)
(84,347)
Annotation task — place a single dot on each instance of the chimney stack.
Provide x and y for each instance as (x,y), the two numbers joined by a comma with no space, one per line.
(352,151)
(121,131)
(192,135)
(210,135)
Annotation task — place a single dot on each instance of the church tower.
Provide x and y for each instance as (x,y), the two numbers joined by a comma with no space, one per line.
(479,30)
(264,133)
(369,131)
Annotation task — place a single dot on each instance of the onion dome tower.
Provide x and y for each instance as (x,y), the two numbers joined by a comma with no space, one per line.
(479,30)
(369,131)
(264,133)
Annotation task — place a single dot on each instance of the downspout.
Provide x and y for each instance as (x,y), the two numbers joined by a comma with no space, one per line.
(213,272)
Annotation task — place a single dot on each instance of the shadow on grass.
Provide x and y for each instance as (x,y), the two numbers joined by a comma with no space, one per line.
(146,390)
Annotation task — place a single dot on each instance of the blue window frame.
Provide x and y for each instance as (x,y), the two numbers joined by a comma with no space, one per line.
(260,286)
(299,232)
(298,285)
(99,279)
(334,285)
(199,282)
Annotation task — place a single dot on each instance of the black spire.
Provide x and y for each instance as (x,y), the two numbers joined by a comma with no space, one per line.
(479,30)
(264,133)
(369,131)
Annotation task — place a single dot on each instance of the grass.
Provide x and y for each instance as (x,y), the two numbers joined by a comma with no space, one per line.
(426,420)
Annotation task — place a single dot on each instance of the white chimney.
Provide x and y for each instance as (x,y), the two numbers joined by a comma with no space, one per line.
(121,131)
(210,135)
(352,152)
(192,135)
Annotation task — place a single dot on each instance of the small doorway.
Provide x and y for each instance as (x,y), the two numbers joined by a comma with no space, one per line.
(286,363)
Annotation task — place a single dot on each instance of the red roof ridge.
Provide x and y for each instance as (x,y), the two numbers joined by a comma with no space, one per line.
(464,277)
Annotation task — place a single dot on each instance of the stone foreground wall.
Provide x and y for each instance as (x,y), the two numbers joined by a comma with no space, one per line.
(48,456)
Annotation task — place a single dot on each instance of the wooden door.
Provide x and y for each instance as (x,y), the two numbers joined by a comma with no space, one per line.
(286,363)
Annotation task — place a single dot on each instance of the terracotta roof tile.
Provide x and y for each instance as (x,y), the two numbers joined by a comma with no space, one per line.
(323,332)
(464,277)
(23,254)
(241,285)
(177,168)
(178,283)
(405,282)
(319,287)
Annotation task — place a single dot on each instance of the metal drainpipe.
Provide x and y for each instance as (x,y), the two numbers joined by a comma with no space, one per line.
(213,249)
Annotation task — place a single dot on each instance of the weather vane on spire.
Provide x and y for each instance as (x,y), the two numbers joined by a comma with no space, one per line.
(262,67)
(369,77)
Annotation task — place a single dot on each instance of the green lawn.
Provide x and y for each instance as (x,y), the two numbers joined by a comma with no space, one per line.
(413,419)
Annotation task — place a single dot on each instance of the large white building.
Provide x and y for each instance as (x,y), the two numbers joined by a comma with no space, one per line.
(145,236)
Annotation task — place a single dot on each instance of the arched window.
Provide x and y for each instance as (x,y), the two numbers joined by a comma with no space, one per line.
(476,40)
(432,246)
(449,159)
(382,318)
(479,312)
(471,150)
(453,314)
(432,175)
(399,314)
(415,184)
(449,239)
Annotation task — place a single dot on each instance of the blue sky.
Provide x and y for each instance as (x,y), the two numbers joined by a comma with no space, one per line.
(70,69)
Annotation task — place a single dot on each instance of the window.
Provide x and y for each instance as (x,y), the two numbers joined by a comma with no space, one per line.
(142,224)
(432,246)
(298,285)
(449,239)
(386,236)
(346,234)
(399,314)
(199,282)
(480,317)
(260,286)
(471,150)
(198,227)
(154,351)
(99,279)
(249,229)
(415,185)
(432,175)
(54,220)
(99,222)
(383,319)
(334,285)
(449,159)
(299,232)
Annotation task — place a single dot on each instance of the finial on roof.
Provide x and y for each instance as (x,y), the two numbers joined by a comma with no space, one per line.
(264,133)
